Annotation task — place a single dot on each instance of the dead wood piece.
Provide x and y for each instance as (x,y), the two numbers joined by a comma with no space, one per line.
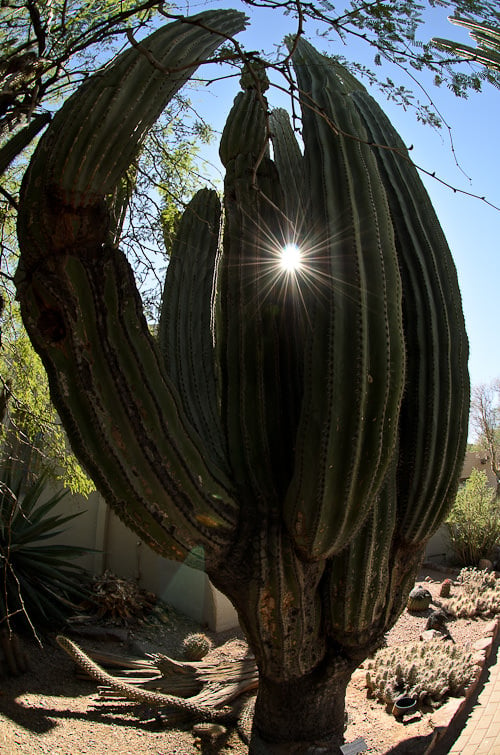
(208,684)
(153,699)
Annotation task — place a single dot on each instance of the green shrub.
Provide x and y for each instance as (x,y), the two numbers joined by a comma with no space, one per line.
(474,521)
(38,580)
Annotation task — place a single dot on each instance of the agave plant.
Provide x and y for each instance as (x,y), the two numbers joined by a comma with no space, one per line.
(39,579)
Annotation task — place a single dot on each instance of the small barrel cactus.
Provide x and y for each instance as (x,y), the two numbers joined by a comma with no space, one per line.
(196,646)
(445,588)
(419,599)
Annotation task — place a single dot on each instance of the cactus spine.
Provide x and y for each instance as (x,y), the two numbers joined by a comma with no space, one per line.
(281,423)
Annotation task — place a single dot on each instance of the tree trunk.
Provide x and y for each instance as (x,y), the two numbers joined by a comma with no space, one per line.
(304,715)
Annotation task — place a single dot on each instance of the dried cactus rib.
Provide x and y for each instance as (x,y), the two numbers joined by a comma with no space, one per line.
(435,409)
(207,683)
(245,719)
(186,329)
(356,346)
(133,692)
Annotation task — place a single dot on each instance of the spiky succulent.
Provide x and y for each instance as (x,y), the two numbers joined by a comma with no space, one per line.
(419,599)
(445,589)
(428,671)
(477,594)
(196,645)
(40,580)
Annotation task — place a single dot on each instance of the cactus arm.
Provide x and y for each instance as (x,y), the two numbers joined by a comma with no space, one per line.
(83,313)
(185,333)
(435,409)
(140,440)
(249,309)
(83,155)
(290,165)
(122,93)
(487,38)
(354,372)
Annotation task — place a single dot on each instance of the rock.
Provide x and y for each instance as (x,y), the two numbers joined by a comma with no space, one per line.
(209,731)
(437,620)
(490,629)
(483,644)
(433,634)
(485,564)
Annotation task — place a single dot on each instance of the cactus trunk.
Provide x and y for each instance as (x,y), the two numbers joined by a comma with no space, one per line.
(306,429)
(290,716)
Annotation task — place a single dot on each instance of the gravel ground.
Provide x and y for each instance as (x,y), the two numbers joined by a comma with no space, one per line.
(51,710)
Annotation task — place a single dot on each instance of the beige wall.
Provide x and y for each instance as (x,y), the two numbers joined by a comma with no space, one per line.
(120,550)
(187,589)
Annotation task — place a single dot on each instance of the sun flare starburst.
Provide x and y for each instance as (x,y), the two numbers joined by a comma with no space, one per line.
(291,258)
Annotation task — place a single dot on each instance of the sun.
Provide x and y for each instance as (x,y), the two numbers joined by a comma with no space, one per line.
(291,258)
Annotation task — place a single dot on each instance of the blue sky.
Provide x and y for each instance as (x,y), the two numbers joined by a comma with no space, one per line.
(472,227)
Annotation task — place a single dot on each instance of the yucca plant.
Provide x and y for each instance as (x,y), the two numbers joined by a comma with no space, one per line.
(307,431)
(39,581)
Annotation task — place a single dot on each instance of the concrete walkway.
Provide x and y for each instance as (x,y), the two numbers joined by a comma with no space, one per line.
(477,730)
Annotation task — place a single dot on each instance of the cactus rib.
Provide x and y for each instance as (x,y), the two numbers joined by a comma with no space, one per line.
(141,695)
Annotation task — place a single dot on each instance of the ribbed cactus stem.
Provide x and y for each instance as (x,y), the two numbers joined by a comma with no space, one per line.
(83,155)
(355,351)
(435,411)
(249,309)
(290,164)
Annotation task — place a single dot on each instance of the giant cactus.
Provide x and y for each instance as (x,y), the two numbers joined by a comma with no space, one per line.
(306,430)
